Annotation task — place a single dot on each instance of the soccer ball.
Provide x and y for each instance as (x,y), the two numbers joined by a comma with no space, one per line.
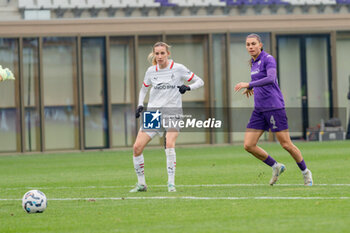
(34,201)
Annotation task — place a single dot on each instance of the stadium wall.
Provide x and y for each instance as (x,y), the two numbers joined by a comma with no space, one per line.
(78,79)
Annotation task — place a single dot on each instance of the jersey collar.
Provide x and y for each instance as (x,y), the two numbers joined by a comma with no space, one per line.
(259,57)
(170,65)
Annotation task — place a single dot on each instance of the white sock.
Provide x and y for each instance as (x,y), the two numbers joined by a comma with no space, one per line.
(273,166)
(171,164)
(139,165)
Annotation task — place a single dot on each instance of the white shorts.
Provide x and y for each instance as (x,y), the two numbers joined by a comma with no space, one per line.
(169,121)
(160,131)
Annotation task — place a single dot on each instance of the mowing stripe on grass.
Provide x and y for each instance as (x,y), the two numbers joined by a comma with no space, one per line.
(184,185)
(189,198)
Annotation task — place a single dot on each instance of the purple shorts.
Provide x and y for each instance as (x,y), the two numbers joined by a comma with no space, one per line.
(275,120)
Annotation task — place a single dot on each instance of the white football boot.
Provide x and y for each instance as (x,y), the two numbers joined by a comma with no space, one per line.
(139,188)
(307,178)
(171,188)
(276,172)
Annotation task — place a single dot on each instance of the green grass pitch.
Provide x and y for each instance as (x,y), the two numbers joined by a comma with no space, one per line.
(219,189)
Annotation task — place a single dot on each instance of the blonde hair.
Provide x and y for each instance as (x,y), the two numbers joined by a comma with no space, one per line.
(151,58)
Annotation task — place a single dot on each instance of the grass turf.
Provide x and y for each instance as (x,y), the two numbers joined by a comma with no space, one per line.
(229,171)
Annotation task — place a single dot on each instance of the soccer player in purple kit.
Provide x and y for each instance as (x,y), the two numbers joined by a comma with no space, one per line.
(269,111)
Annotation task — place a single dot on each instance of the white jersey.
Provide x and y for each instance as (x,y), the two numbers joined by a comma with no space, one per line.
(164,84)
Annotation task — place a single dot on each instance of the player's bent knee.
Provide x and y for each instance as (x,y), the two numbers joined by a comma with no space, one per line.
(137,149)
(287,146)
(249,147)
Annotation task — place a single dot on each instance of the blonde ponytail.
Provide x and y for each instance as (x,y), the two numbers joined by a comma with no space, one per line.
(152,59)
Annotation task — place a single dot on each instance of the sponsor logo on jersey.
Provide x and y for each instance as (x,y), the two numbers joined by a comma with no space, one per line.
(255,71)
(164,86)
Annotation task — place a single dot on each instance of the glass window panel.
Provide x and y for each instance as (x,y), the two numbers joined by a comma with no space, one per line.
(240,72)
(289,70)
(317,79)
(9,114)
(191,51)
(60,97)
(30,93)
(94,75)
(219,81)
(343,73)
(121,75)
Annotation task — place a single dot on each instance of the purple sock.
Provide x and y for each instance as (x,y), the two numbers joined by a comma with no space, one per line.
(302,165)
(269,161)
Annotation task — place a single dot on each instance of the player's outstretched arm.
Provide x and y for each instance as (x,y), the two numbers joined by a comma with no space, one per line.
(269,79)
(197,83)
(241,85)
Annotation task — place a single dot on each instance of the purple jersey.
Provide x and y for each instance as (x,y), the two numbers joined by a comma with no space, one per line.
(267,94)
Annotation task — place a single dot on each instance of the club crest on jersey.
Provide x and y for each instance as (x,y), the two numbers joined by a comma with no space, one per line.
(152,120)
(172,76)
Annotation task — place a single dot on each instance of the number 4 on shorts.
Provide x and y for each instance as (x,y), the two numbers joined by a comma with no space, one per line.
(273,122)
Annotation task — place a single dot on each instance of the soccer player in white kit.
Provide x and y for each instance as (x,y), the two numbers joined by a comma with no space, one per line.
(166,79)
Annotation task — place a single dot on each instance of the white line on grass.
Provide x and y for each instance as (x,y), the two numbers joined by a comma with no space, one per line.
(190,198)
(185,185)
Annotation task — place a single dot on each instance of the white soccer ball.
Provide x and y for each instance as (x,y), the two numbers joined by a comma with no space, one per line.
(34,201)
